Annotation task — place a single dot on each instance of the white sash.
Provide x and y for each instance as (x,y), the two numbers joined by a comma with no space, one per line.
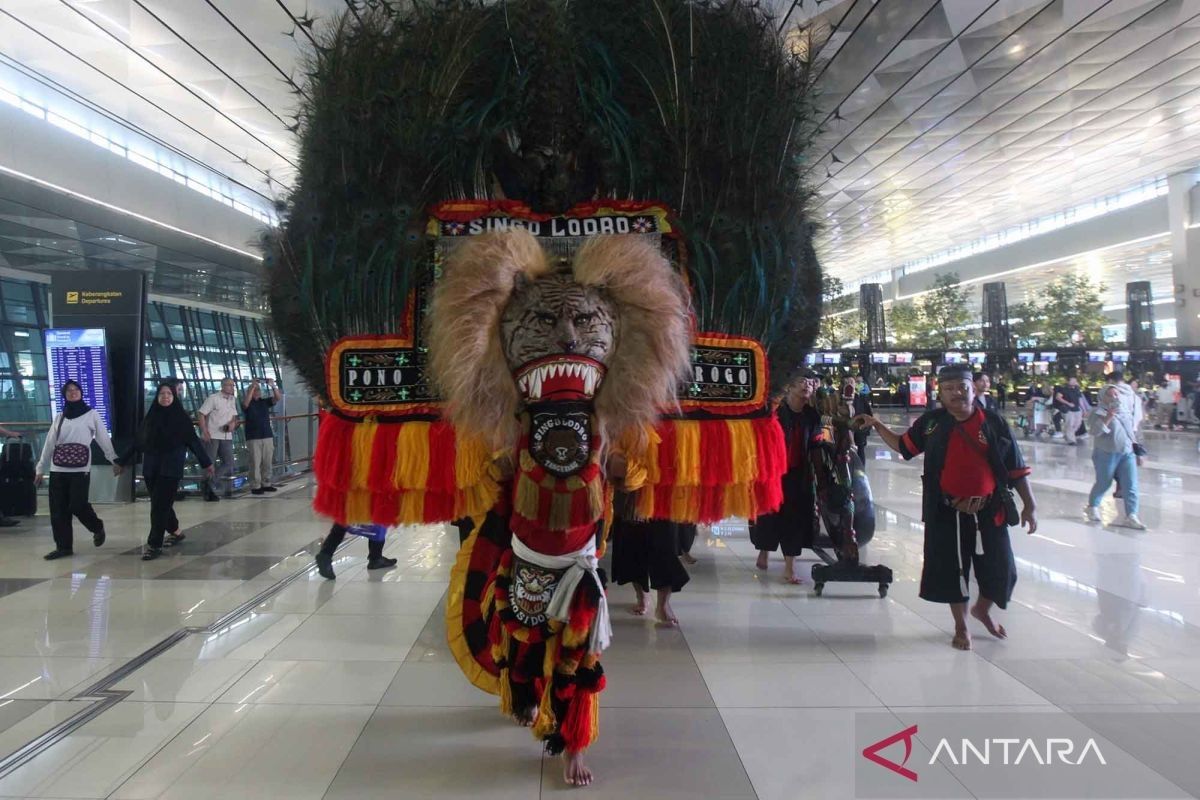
(581,562)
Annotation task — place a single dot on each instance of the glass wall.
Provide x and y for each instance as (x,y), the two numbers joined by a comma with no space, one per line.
(202,347)
(24,387)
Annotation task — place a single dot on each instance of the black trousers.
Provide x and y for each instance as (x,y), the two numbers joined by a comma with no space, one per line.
(687,537)
(69,498)
(162,507)
(338,532)
(794,526)
(954,543)
(646,554)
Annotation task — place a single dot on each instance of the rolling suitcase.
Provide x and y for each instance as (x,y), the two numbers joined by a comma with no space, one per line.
(18,494)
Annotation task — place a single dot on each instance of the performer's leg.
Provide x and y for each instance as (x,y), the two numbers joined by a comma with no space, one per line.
(324,557)
(946,567)
(375,557)
(667,573)
(996,574)
(687,539)
(764,535)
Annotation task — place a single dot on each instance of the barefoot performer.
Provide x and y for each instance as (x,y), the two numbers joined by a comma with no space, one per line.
(516,384)
(796,524)
(648,554)
(972,462)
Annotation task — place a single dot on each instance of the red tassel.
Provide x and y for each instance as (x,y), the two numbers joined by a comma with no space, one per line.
(331,462)
(385,507)
(330,502)
(383,461)
(716,453)
(442,450)
(772,455)
(576,727)
(712,504)
(666,455)
(439,506)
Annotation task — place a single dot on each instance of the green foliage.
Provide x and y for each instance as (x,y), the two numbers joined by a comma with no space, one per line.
(839,322)
(1069,311)
(1073,311)
(944,309)
(906,326)
(1027,324)
(934,319)
(695,103)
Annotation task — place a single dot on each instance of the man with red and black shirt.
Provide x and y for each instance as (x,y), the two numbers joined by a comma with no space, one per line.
(971,459)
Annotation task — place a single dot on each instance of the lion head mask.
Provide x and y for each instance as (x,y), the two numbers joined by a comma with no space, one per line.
(510,326)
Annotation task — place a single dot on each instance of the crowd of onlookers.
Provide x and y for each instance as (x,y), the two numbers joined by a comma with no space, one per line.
(162,443)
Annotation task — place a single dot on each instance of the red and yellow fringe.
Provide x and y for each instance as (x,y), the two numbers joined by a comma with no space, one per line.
(707,470)
(400,473)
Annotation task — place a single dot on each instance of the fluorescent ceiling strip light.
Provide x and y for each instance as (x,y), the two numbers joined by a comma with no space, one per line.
(1015,270)
(126,211)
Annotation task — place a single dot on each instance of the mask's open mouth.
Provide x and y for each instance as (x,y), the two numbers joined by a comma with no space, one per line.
(560,377)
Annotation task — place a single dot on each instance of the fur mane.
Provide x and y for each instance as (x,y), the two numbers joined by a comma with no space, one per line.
(467,362)
(653,331)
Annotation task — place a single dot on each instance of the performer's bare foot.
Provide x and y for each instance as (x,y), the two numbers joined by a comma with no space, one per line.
(688,558)
(982,612)
(664,613)
(762,559)
(639,608)
(575,773)
(789,571)
(526,717)
(962,639)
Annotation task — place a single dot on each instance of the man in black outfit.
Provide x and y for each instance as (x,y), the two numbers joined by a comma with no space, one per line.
(971,460)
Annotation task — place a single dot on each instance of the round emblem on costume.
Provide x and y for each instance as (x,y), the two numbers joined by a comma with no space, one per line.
(561,441)
(533,586)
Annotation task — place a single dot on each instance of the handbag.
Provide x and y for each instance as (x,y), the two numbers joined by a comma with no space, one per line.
(72,455)
(372,533)
(1012,517)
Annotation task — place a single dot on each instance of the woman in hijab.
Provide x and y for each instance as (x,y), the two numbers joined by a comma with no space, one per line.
(68,455)
(166,436)
(1115,454)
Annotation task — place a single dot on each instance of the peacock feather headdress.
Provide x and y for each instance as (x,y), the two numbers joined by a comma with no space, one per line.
(697,104)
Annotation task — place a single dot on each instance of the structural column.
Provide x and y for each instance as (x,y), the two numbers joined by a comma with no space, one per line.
(1185,256)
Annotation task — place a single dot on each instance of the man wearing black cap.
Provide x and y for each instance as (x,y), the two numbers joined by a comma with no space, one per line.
(971,463)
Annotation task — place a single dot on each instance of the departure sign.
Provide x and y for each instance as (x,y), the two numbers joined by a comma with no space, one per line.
(81,355)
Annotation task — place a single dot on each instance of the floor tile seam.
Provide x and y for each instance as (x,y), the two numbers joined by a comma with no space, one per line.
(99,690)
(157,750)
(361,732)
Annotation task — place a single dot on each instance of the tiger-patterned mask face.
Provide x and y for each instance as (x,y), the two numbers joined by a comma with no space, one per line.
(556,321)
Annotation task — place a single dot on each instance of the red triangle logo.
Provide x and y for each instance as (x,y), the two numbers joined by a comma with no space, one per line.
(871,753)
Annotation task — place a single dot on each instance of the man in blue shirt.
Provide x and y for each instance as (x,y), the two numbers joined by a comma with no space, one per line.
(260,439)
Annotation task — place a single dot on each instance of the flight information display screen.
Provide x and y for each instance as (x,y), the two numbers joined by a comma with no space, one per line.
(81,355)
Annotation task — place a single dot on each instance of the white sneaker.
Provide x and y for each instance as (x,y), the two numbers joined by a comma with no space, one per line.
(1091,513)
(1133,522)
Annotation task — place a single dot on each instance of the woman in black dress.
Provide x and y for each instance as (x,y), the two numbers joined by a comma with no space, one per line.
(166,436)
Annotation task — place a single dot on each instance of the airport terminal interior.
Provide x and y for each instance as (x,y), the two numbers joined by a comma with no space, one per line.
(985,220)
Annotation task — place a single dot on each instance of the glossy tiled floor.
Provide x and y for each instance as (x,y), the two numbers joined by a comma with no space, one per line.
(346,689)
